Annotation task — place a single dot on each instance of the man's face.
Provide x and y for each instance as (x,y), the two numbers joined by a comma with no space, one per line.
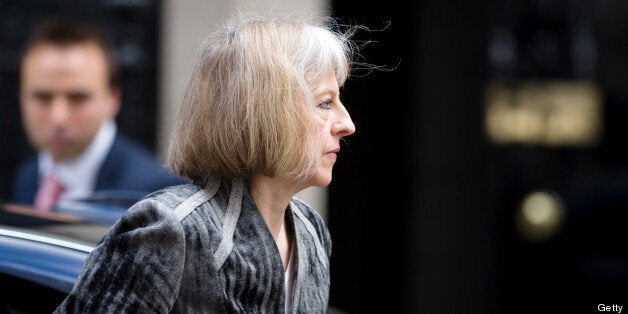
(65,97)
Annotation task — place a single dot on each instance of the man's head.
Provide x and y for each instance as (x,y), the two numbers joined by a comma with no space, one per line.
(69,86)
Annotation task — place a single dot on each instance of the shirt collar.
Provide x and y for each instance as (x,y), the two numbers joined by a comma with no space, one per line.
(78,175)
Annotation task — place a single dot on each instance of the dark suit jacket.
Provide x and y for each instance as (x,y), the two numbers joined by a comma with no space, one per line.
(127,166)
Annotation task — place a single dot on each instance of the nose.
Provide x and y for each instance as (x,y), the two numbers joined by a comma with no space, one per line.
(343,126)
(59,111)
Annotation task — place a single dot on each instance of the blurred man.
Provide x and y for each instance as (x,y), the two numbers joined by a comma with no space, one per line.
(69,97)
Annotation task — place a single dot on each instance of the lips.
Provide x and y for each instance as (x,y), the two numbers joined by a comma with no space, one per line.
(60,143)
(59,140)
(333,153)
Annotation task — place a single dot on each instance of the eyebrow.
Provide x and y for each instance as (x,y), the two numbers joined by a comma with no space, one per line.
(41,92)
(79,93)
(45,93)
(331,91)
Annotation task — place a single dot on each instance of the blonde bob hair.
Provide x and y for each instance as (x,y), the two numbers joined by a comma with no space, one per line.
(246,107)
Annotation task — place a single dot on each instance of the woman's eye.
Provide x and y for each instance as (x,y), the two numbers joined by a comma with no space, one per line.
(325,104)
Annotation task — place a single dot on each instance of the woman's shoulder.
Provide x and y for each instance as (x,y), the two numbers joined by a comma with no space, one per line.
(172,196)
(165,211)
(172,203)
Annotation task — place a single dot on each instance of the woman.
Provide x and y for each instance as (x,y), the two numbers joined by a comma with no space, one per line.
(261,120)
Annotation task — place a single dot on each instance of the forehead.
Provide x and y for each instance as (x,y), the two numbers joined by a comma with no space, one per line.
(328,84)
(44,61)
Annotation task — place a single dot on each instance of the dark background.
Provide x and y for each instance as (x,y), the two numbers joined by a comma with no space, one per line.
(133,26)
(422,206)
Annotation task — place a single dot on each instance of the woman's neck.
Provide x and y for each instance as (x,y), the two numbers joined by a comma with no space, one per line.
(272,197)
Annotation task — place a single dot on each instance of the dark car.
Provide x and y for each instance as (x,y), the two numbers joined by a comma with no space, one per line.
(42,253)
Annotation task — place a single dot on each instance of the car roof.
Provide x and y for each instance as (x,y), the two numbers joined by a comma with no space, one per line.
(47,248)
(52,224)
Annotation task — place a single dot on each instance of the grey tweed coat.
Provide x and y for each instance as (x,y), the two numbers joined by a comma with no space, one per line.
(202,249)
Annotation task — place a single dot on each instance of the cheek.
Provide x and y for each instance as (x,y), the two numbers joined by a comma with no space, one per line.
(322,127)
(317,131)
(33,113)
(37,120)
(92,114)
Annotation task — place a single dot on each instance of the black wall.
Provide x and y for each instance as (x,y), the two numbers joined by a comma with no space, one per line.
(423,203)
(370,195)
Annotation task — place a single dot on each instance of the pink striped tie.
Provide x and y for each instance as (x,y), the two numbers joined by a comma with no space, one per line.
(48,193)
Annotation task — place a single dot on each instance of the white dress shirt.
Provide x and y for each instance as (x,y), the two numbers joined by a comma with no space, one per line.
(78,175)
(288,283)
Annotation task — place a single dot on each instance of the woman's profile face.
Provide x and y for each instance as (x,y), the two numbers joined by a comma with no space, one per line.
(331,122)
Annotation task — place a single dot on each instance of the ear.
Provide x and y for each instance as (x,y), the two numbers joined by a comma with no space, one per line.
(116,98)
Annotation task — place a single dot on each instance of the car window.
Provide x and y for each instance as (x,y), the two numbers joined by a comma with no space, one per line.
(23,296)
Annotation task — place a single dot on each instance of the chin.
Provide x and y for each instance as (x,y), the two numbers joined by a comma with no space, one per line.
(320,180)
(65,154)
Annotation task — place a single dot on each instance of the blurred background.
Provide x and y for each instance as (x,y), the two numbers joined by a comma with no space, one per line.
(488,173)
